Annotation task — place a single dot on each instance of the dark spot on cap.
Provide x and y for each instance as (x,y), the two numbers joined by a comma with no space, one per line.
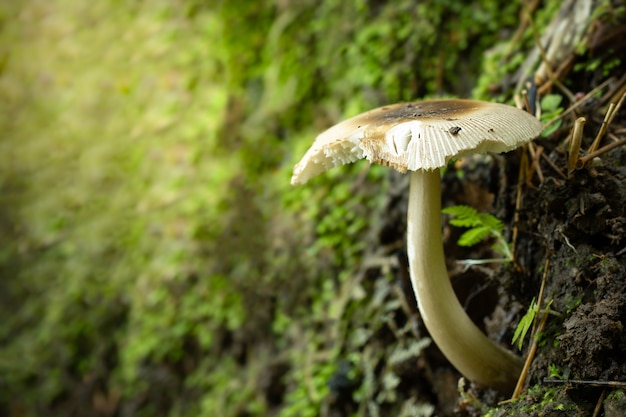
(432,109)
(454,130)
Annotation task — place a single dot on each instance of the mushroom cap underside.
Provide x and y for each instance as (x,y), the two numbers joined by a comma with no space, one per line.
(419,135)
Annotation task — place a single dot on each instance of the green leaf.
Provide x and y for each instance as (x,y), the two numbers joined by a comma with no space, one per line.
(464,222)
(490,221)
(524,324)
(465,216)
(474,235)
(481,224)
(551,102)
(460,211)
(551,129)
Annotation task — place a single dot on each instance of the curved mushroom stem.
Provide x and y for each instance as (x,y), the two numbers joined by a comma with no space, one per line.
(472,353)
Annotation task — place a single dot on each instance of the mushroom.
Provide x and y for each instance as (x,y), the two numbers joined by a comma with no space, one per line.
(422,137)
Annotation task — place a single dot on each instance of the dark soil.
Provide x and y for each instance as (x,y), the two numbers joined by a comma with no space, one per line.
(575,229)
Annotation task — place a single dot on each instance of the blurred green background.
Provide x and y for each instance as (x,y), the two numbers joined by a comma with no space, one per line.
(154,260)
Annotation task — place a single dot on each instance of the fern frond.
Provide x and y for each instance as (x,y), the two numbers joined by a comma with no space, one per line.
(524,324)
(464,222)
(464,216)
(474,235)
(461,211)
(490,221)
(480,225)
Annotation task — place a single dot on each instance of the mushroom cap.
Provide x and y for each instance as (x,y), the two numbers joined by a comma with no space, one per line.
(419,135)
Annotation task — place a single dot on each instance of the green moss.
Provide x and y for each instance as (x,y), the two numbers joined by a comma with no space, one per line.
(507,57)
(615,402)
(542,400)
(150,240)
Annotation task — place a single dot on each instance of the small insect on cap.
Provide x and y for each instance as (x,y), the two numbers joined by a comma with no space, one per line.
(419,135)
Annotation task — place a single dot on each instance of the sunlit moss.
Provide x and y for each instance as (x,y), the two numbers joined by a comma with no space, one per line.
(148,229)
